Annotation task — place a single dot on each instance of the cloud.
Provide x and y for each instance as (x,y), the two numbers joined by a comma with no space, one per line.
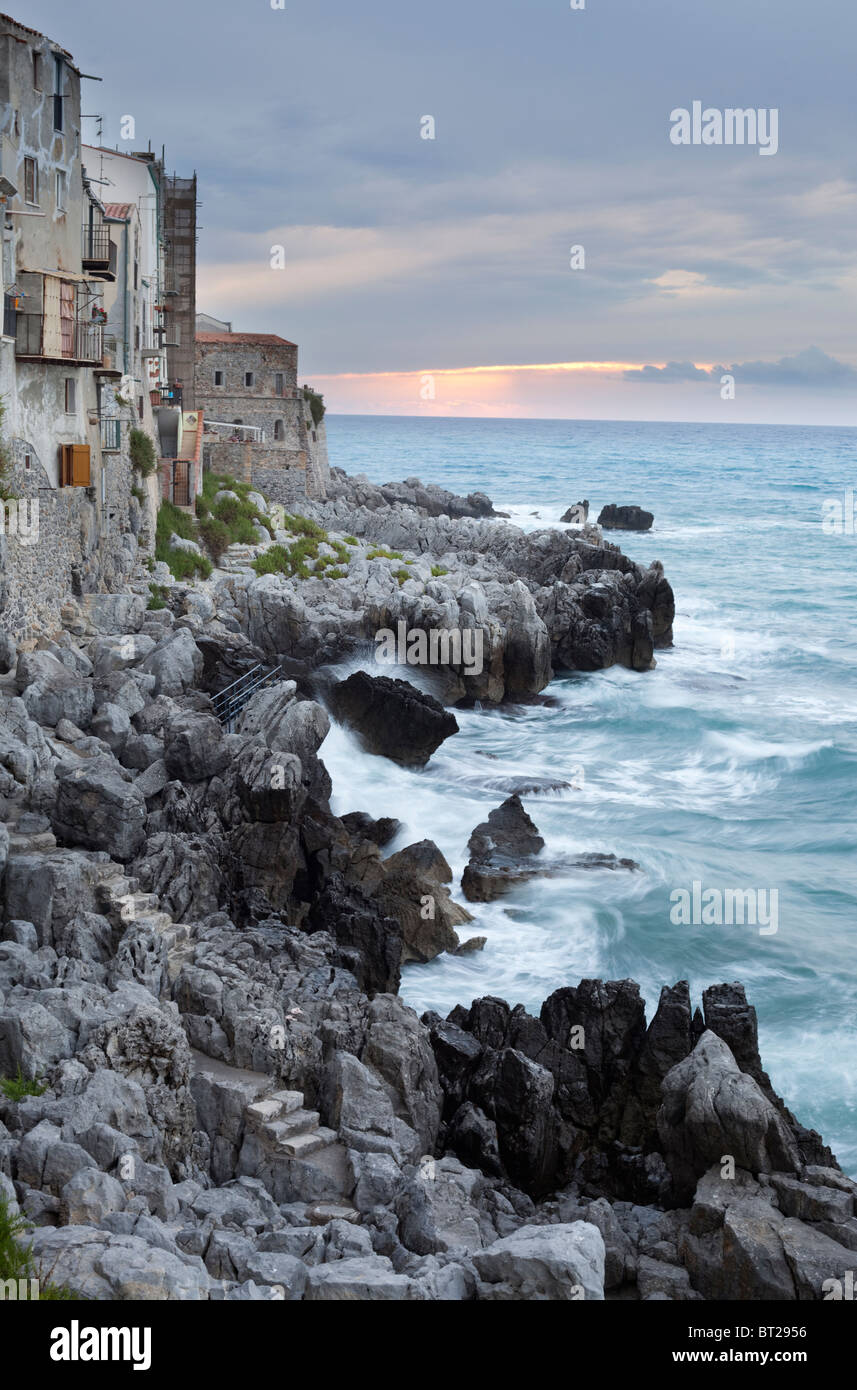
(672,371)
(810,369)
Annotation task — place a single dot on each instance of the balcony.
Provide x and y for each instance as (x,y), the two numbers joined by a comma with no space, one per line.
(167,395)
(99,252)
(66,340)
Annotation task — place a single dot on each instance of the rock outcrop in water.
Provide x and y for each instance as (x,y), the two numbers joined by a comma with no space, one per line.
(212,1090)
(392,717)
(507,850)
(631,518)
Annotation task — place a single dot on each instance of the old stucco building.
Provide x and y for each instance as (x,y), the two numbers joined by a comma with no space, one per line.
(258,422)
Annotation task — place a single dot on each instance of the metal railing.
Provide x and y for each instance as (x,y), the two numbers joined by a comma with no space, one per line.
(236,432)
(88,342)
(169,395)
(99,252)
(111,435)
(229,703)
(78,342)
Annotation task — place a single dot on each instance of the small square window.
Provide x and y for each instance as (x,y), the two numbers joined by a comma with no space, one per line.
(70,396)
(31,181)
(218,378)
(249,379)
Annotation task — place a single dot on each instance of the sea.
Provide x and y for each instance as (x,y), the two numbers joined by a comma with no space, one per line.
(731,766)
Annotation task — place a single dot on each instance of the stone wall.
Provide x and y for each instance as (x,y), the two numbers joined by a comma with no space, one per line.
(60,542)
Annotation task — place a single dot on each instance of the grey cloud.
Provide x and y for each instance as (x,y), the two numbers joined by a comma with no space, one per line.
(811,368)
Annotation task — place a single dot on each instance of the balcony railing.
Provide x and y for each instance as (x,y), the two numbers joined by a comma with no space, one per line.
(74,341)
(167,395)
(111,435)
(99,252)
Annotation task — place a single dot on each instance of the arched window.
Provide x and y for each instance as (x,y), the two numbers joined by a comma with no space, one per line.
(279,430)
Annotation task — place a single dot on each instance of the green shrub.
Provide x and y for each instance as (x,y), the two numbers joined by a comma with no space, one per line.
(16,1259)
(401,575)
(379,553)
(336,574)
(304,526)
(139,494)
(17,1087)
(438,570)
(290,561)
(350,540)
(202,508)
(316,404)
(157,599)
(216,536)
(143,455)
(185,565)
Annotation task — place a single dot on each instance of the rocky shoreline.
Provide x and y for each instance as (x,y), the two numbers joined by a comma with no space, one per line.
(212,1090)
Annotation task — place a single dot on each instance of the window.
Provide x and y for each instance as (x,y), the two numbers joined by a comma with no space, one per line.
(140,406)
(27,461)
(249,379)
(59,79)
(31,181)
(218,378)
(279,430)
(279,384)
(70,396)
(62,186)
(37,72)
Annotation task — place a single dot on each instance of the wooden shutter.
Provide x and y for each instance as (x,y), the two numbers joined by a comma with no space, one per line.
(52,334)
(80,465)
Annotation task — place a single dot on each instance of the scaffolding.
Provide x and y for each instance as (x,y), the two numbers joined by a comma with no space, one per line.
(180,276)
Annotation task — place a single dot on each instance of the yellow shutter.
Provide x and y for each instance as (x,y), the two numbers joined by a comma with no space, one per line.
(80,465)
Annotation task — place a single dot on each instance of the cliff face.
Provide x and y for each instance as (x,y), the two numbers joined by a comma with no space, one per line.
(212,1089)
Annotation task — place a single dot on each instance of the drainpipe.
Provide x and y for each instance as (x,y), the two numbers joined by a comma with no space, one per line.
(126,344)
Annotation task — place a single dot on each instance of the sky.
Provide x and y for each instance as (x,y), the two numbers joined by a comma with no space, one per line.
(435,275)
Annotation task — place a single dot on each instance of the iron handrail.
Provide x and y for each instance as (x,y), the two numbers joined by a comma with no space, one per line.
(229,702)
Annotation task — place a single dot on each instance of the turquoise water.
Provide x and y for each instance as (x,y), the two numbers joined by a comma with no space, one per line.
(733,764)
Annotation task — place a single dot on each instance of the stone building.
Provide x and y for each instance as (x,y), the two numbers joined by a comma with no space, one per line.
(146,318)
(258,421)
(70,520)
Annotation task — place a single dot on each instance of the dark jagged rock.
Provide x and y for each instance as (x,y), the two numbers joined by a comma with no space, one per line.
(507,849)
(502,851)
(370,943)
(625,518)
(392,717)
(380,832)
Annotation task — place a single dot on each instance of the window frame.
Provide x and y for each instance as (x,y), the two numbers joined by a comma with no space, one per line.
(71,395)
(31,165)
(249,381)
(218,373)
